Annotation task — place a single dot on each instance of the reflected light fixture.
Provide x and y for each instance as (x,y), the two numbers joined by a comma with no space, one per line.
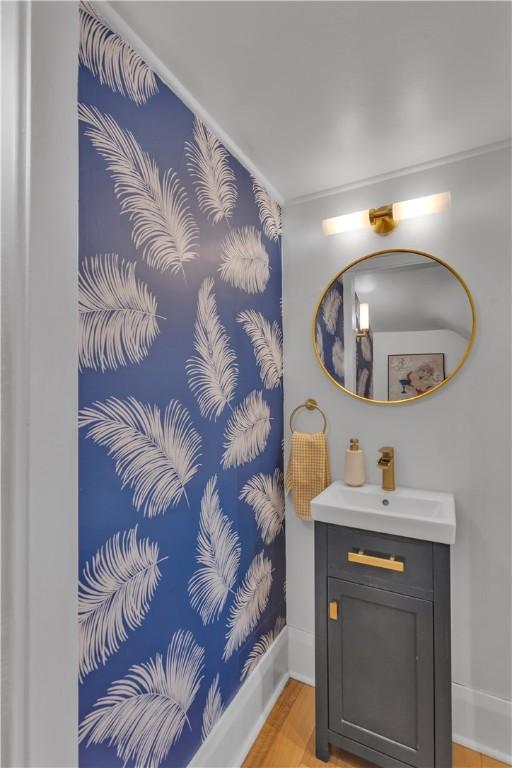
(364,321)
(383,220)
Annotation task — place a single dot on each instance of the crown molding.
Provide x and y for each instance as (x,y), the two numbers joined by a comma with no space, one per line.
(107,11)
(371,180)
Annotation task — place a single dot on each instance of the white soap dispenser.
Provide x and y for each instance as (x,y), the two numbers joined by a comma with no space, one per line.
(354,464)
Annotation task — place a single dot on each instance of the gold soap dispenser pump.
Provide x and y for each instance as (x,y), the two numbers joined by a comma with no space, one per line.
(354,464)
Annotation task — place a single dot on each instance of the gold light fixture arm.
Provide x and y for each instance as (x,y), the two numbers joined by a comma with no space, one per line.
(381,219)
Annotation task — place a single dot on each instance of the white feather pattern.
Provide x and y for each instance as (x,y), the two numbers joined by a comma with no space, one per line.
(244,260)
(320,341)
(213,708)
(157,207)
(118,320)
(269,211)
(213,372)
(362,382)
(218,553)
(207,161)
(265,494)
(250,601)
(156,458)
(144,713)
(338,357)
(260,648)
(247,431)
(267,342)
(112,60)
(114,595)
(366,349)
(330,309)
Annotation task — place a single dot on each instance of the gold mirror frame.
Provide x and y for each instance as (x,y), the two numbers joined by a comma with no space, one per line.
(450,375)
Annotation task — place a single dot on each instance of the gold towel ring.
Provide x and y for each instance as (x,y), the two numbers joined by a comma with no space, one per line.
(311,405)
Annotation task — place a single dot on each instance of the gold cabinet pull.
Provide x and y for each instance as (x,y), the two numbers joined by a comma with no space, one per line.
(389,563)
(333,610)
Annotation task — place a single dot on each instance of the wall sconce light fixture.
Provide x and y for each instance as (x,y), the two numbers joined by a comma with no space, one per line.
(364,321)
(383,220)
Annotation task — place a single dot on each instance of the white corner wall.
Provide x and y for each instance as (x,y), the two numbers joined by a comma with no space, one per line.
(459,439)
(39,380)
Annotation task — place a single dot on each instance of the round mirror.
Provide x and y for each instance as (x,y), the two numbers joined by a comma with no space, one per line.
(394,326)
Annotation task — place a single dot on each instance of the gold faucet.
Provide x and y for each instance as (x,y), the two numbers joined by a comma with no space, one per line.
(387,463)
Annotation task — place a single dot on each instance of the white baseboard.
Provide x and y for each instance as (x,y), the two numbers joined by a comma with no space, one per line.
(480,721)
(233,736)
(301,655)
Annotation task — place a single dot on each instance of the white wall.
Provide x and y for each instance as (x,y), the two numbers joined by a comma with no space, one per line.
(39,387)
(408,342)
(456,440)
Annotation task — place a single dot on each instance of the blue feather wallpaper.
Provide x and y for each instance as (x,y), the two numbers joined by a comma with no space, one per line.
(181,507)
(330,333)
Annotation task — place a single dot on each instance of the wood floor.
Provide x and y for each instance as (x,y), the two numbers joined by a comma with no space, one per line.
(287,740)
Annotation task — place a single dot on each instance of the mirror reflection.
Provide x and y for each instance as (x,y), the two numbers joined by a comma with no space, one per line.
(394,326)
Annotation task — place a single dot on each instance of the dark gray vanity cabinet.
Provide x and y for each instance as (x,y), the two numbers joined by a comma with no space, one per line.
(383,682)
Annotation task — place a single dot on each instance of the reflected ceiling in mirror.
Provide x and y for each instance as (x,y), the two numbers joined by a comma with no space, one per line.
(394,326)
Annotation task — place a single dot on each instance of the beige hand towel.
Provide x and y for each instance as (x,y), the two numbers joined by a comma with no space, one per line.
(308,471)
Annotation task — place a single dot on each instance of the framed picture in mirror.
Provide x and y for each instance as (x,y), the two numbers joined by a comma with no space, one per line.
(414,374)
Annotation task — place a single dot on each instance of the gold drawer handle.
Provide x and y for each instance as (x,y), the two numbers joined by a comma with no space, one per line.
(389,563)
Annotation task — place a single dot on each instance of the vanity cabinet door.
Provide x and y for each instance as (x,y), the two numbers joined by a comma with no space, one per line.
(381,675)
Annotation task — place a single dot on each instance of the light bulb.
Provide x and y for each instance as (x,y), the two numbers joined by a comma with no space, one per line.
(364,317)
(345,223)
(421,206)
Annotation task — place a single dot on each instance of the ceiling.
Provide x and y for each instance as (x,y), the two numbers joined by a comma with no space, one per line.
(323,94)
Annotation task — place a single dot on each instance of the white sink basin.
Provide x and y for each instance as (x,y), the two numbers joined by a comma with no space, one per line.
(405,512)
